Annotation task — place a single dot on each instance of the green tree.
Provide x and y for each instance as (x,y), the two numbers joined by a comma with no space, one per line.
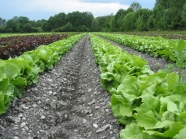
(167,14)
(118,19)
(2,22)
(135,6)
(95,25)
(19,27)
(78,19)
(60,20)
(157,16)
(128,22)
(68,27)
(10,26)
(28,28)
(141,17)
(184,13)
(83,28)
(40,25)
(55,22)
(87,19)
(22,20)
(2,25)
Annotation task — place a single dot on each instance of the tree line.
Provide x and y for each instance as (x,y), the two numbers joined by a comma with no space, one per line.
(166,15)
(75,21)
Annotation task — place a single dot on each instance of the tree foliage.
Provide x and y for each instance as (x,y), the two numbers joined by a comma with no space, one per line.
(106,23)
(184,13)
(95,25)
(135,6)
(166,15)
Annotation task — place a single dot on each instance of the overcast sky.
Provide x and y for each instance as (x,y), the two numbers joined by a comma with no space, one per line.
(43,9)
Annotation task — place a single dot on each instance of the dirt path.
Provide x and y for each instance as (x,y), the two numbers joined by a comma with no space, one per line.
(68,102)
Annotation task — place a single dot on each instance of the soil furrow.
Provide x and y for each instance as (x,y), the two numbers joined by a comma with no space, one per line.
(68,102)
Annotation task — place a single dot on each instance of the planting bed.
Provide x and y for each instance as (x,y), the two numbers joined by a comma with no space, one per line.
(155,63)
(68,102)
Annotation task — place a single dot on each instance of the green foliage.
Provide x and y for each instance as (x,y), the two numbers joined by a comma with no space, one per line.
(28,28)
(75,21)
(22,71)
(22,24)
(141,17)
(173,50)
(118,19)
(95,25)
(150,105)
(128,22)
(66,28)
(2,22)
(166,15)
(135,6)
(80,18)
(184,13)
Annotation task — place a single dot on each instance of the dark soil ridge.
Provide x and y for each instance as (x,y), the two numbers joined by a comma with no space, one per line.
(68,102)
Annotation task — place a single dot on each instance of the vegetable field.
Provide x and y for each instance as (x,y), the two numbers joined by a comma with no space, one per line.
(84,86)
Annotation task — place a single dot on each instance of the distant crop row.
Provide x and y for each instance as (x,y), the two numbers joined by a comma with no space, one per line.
(150,105)
(15,46)
(173,50)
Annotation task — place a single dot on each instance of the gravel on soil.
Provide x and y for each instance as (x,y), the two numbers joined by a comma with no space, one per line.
(68,102)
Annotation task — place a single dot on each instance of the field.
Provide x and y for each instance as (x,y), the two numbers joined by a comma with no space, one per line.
(97,86)
(164,34)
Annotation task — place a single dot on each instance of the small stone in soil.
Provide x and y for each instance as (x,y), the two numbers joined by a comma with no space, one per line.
(103,128)
(42,117)
(34,105)
(89,90)
(23,124)
(13,119)
(16,137)
(107,110)
(50,92)
(95,125)
(97,107)
(84,121)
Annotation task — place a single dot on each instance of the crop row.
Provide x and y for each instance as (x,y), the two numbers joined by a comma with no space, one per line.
(22,71)
(150,105)
(6,35)
(15,46)
(16,40)
(173,50)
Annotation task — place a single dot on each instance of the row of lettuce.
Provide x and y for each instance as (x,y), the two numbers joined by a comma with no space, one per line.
(18,73)
(173,50)
(150,105)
